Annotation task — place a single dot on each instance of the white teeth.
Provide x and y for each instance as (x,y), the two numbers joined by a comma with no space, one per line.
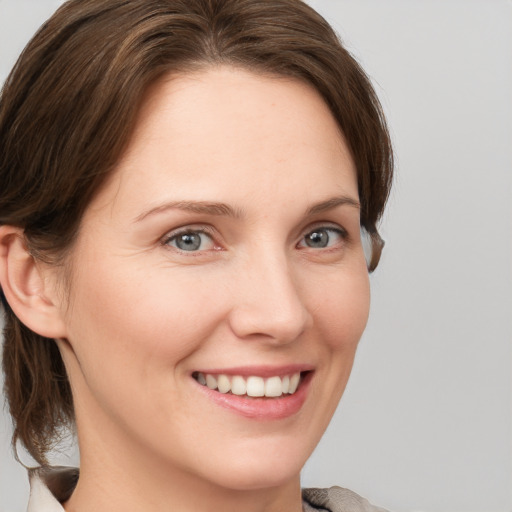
(294,383)
(286,384)
(223,384)
(211,381)
(253,386)
(273,387)
(238,386)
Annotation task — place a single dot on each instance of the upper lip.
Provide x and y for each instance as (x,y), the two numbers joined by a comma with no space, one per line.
(260,371)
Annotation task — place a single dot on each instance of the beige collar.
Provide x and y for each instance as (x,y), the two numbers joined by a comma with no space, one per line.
(49,487)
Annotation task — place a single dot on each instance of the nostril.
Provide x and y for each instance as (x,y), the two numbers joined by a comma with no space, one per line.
(269,322)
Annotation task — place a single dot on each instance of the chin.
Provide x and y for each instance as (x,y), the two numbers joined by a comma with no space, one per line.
(254,479)
(267,467)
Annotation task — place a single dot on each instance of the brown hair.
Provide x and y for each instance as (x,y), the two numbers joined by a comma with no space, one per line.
(69,106)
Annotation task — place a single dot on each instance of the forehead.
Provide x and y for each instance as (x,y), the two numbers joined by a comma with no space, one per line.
(220,126)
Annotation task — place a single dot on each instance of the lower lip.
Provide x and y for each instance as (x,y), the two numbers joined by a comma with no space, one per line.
(264,409)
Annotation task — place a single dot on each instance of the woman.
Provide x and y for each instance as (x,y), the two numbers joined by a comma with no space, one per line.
(184,185)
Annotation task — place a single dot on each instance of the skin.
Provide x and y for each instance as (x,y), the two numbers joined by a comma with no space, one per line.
(141,315)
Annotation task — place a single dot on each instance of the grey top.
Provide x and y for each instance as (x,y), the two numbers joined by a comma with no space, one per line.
(49,487)
(336,499)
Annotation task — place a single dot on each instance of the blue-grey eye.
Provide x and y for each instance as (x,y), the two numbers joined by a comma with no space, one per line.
(322,237)
(191,241)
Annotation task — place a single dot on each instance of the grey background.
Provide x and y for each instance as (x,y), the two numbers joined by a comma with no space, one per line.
(426,421)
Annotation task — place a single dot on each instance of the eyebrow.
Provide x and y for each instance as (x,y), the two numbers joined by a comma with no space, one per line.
(332,203)
(204,207)
(223,209)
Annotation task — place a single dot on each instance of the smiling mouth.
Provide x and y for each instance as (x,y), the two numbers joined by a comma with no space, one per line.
(251,386)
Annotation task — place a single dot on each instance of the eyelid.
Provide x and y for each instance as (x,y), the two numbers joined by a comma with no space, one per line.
(189,228)
(328,226)
(324,225)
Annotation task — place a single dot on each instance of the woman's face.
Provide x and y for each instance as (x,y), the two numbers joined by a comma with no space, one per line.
(225,249)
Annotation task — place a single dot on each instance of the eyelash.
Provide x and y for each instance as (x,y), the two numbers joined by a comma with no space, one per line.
(329,229)
(203,230)
(166,241)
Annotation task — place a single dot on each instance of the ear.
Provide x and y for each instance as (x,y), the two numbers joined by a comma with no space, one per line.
(28,287)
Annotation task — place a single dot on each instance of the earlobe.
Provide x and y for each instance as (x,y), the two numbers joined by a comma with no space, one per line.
(25,288)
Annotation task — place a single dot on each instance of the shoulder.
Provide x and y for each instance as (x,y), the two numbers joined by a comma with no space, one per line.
(336,499)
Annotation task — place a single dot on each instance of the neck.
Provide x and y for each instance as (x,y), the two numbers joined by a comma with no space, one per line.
(121,489)
(117,475)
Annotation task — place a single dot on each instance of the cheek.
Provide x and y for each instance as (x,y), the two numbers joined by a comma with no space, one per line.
(132,334)
(135,319)
(342,310)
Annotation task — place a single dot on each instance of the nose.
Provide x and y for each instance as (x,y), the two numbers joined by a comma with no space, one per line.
(268,303)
